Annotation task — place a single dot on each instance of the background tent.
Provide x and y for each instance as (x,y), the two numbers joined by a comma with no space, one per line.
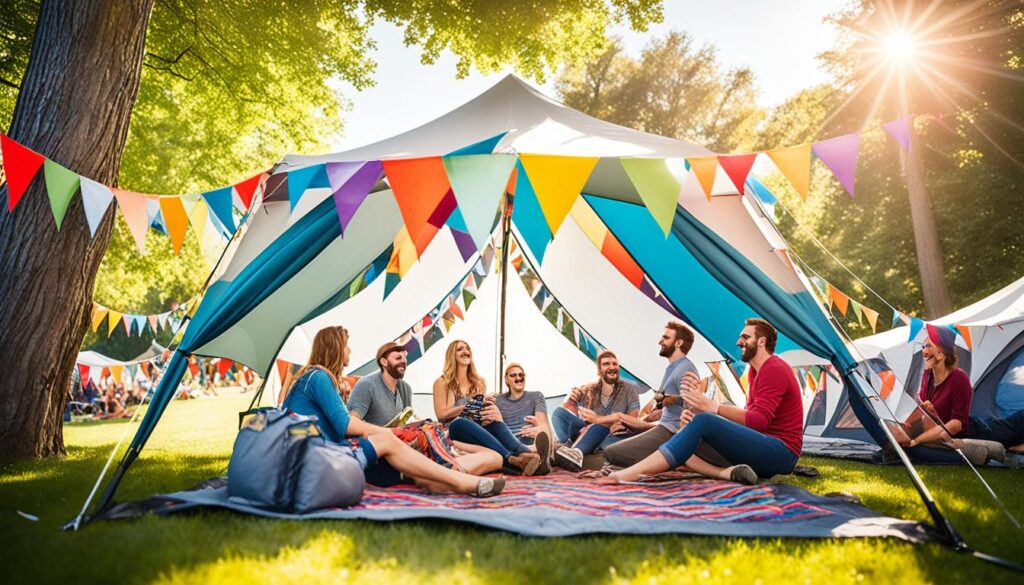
(712,259)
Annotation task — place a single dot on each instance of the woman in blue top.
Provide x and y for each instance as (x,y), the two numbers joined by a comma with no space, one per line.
(315,393)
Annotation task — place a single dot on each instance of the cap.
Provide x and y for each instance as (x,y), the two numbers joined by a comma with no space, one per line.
(943,337)
(388,348)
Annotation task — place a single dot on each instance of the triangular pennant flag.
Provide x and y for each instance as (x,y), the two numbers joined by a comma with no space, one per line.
(857,311)
(282,369)
(467,298)
(98,314)
(350,184)
(135,213)
(872,316)
(528,217)
(478,182)
(139,323)
(455,310)
(897,317)
(705,168)
(915,327)
(432,336)
(113,318)
(133,369)
(617,255)
(219,202)
(301,179)
(199,218)
(61,185)
(658,189)
(900,131)
(557,181)
(419,186)
(176,220)
(20,166)
(737,167)
(223,365)
(118,373)
(127,320)
(840,156)
(965,332)
(795,164)
(96,199)
(152,323)
(840,299)
(83,372)
(247,189)
(391,280)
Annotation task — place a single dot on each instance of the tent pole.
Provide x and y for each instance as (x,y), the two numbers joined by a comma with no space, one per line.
(506,228)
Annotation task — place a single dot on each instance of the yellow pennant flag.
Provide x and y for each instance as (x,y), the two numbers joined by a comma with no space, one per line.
(198,218)
(117,372)
(98,313)
(589,222)
(113,318)
(872,316)
(557,181)
(795,164)
(704,167)
(176,220)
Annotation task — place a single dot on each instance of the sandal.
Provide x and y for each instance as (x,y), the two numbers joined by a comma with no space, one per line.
(489,487)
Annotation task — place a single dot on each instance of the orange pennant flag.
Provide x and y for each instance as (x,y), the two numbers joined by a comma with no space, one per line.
(135,213)
(872,316)
(419,186)
(795,164)
(175,219)
(965,332)
(705,167)
(841,301)
(98,314)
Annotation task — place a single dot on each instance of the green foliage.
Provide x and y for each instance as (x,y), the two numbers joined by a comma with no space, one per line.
(193,441)
(229,86)
(673,89)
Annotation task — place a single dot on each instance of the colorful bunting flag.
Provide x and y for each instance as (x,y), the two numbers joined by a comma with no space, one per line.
(247,189)
(915,328)
(965,332)
(705,167)
(900,131)
(872,316)
(841,301)
(219,202)
(840,156)
(301,179)
(557,181)
(96,199)
(737,167)
(478,182)
(419,186)
(98,314)
(134,211)
(176,220)
(20,166)
(61,185)
(795,164)
(658,189)
(350,185)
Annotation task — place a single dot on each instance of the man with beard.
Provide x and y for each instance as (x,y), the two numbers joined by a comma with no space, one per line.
(675,343)
(592,414)
(379,397)
(761,440)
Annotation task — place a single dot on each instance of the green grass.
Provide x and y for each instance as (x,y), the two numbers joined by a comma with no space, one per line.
(193,441)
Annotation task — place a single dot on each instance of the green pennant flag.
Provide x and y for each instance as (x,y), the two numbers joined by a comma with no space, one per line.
(61,185)
(658,189)
(569,329)
(857,309)
(467,298)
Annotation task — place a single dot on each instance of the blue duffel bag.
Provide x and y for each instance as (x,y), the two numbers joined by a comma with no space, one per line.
(281,461)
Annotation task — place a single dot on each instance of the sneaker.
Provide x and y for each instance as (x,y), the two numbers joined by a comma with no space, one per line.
(543,444)
(743,474)
(527,463)
(489,487)
(569,458)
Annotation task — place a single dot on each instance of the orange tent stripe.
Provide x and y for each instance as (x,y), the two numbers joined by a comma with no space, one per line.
(621,260)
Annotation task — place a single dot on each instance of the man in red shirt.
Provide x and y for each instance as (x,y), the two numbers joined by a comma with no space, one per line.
(762,440)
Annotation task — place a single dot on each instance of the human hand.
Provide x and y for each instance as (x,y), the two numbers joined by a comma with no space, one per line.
(693,393)
(685,418)
(587,415)
(530,431)
(488,399)
(490,414)
(576,394)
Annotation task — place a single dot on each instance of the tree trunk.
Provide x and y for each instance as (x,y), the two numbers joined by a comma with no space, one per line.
(926,238)
(74,107)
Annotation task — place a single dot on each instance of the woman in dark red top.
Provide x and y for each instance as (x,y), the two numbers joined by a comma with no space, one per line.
(946,394)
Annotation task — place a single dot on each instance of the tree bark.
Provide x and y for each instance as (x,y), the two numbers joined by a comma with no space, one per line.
(74,107)
(926,238)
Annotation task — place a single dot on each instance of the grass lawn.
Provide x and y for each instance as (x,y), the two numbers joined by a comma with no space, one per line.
(194,440)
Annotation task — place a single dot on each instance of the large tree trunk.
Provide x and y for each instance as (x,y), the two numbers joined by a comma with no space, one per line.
(926,238)
(74,107)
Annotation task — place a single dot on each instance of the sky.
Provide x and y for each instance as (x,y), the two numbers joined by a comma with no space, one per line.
(777,39)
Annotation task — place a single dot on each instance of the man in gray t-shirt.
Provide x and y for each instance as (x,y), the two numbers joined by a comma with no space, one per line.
(515,410)
(381,396)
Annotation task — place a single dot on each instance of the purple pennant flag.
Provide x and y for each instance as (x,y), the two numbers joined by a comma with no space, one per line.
(464,242)
(840,156)
(900,131)
(351,183)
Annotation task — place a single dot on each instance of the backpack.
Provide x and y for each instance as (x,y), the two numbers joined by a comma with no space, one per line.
(282,461)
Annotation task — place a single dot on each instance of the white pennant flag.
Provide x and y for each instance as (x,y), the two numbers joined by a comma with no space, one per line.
(96,199)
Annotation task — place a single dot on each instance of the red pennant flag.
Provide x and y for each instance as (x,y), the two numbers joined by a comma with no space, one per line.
(282,369)
(83,372)
(247,189)
(20,166)
(737,166)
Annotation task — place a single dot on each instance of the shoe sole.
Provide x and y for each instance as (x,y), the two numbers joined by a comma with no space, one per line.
(566,463)
(543,444)
(496,488)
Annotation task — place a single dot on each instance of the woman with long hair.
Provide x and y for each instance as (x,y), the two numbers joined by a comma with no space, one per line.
(461,400)
(315,392)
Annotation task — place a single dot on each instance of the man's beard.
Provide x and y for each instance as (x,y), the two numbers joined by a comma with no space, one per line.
(396,372)
(666,350)
(748,352)
(610,377)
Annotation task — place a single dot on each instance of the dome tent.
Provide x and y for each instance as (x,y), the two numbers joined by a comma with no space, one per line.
(714,260)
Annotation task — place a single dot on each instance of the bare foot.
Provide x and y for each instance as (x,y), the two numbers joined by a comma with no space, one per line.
(1016,448)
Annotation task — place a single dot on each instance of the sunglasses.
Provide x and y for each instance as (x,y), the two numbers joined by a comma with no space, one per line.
(517,376)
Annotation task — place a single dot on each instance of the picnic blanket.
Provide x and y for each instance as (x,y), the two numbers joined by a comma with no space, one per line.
(559,504)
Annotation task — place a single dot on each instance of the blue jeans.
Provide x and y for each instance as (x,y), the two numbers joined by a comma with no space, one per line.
(567,427)
(738,444)
(495,436)
(926,454)
(1009,431)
